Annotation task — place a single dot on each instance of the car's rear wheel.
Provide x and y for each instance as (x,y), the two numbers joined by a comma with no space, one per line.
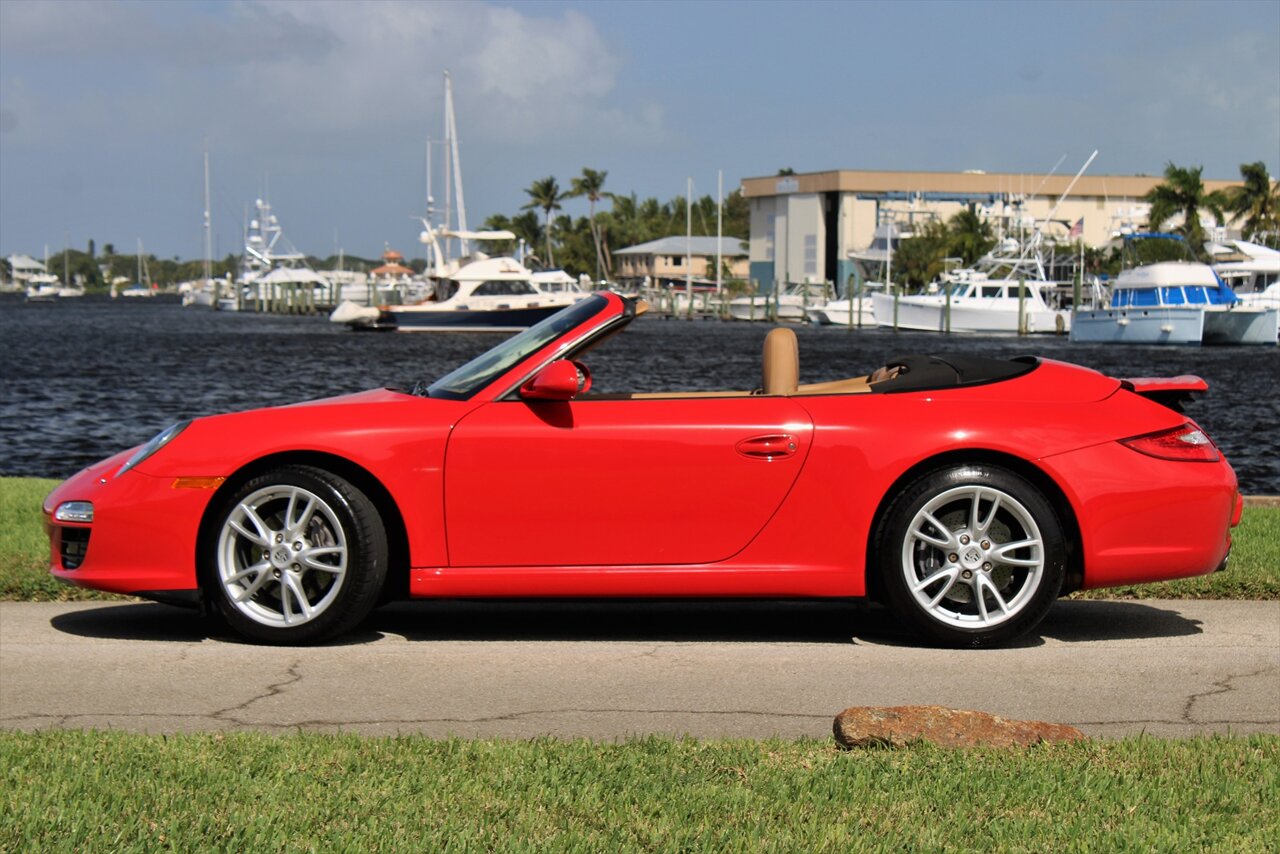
(971,555)
(299,555)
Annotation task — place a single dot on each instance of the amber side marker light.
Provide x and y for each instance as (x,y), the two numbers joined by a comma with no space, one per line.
(198,482)
(1187,443)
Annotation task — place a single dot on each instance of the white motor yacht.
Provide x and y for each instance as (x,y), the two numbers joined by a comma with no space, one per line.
(43,287)
(482,294)
(969,300)
(1255,280)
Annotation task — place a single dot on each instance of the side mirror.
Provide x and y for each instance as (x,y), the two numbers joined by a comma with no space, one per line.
(563,379)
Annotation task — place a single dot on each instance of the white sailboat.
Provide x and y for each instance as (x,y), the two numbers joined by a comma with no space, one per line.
(142,287)
(204,293)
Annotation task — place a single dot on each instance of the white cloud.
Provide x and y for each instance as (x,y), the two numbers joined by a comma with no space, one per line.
(515,74)
(285,68)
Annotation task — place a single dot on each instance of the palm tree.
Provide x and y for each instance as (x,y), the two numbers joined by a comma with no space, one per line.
(969,236)
(591,185)
(545,195)
(918,260)
(527,228)
(1183,193)
(1257,201)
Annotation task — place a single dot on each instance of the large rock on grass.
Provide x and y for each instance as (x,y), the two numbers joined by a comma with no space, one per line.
(898,726)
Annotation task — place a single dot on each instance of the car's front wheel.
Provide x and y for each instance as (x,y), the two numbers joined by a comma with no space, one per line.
(971,555)
(299,555)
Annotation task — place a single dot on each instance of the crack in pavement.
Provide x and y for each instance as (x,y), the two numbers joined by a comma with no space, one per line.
(1222,686)
(275,689)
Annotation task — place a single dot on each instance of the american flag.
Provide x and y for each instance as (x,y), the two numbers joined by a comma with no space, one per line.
(1078,229)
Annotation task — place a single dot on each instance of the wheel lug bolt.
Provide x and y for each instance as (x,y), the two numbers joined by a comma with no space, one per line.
(953,557)
(966,575)
(964,540)
(986,567)
(279,538)
(986,544)
(297,547)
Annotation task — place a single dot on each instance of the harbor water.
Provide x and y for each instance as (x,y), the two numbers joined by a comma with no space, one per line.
(88,377)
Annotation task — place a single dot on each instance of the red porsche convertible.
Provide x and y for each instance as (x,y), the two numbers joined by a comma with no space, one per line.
(967,494)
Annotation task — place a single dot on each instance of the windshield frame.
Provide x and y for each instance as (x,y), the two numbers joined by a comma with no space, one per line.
(465,381)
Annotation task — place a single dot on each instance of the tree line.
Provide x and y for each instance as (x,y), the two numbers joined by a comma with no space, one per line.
(586,244)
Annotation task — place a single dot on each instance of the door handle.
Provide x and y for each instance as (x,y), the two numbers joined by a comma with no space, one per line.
(771,447)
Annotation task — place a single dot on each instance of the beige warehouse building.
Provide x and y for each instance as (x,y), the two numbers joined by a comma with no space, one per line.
(804,227)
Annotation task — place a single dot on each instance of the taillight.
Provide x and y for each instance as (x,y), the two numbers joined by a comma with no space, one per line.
(1187,443)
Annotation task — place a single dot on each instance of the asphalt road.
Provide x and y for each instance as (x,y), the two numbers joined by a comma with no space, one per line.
(613,670)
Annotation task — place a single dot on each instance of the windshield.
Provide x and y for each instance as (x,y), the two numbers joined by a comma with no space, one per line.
(480,371)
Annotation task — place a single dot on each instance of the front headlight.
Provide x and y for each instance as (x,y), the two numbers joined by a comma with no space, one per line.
(161,439)
(75,511)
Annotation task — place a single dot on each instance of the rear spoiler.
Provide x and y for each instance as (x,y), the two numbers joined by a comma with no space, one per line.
(1167,391)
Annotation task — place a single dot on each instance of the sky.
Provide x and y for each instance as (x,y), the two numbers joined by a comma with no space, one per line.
(326,108)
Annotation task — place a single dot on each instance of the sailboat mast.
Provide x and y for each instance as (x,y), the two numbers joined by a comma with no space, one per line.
(431,205)
(208,239)
(451,130)
(688,245)
(719,226)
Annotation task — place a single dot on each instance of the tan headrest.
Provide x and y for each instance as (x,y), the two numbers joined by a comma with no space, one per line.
(781,362)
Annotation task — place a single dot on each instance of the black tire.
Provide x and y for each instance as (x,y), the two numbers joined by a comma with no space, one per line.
(294,556)
(971,555)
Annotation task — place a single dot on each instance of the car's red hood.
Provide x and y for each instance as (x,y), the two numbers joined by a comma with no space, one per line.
(364,425)
(374,395)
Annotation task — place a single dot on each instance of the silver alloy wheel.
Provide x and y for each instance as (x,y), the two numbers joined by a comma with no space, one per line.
(282,556)
(973,557)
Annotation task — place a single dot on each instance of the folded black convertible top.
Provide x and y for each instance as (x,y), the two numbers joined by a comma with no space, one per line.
(927,373)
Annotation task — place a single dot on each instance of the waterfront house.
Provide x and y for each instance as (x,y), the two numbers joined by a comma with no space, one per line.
(670,260)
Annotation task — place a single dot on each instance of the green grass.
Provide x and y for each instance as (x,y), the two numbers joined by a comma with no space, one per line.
(99,791)
(1254,572)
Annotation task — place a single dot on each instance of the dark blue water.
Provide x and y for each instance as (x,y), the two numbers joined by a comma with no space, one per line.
(85,378)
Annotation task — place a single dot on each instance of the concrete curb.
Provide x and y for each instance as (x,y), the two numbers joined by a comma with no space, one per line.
(1262,501)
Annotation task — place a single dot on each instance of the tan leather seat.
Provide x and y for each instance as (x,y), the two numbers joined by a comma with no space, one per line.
(781,362)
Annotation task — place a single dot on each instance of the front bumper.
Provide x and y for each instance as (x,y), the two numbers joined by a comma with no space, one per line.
(143,536)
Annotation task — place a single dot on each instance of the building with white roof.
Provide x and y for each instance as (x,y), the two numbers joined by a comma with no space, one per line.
(672,259)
